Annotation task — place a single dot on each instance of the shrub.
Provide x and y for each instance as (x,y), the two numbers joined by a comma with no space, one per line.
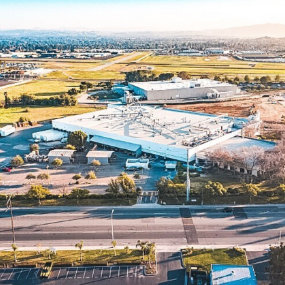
(38,192)
(96,162)
(17,161)
(79,193)
(70,146)
(57,162)
(215,189)
(90,175)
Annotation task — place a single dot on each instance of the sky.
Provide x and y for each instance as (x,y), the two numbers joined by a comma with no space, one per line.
(138,15)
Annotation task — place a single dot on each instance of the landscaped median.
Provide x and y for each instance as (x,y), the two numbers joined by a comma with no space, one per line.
(143,255)
(203,258)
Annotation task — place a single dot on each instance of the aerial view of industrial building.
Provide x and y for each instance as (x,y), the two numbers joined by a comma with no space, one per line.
(166,133)
(184,89)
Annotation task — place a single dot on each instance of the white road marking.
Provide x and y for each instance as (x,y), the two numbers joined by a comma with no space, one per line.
(110,272)
(127,271)
(93,272)
(28,274)
(3,273)
(119,271)
(19,274)
(66,273)
(84,273)
(58,273)
(101,272)
(10,274)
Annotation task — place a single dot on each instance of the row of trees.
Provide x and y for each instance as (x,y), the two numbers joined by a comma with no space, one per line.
(143,76)
(29,100)
(270,164)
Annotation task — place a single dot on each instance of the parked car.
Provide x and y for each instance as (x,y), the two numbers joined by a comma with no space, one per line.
(7,169)
(46,270)
(227,210)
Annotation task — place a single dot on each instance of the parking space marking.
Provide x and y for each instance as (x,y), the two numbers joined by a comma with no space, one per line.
(93,272)
(28,273)
(67,271)
(19,274)
(58,273)
(2,273)
(84,273)
(127,271)
(76,272)
(10,274)
(119,271)
(101,271)
(110,272)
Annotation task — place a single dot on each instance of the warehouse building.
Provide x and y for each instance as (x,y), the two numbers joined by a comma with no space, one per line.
(178,89)
(164,133)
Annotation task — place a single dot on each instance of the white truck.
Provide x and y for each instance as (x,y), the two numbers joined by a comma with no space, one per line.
(7,130)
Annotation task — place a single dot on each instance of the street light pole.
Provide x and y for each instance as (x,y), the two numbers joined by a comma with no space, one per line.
(112,224)
(188,179)
(9,205)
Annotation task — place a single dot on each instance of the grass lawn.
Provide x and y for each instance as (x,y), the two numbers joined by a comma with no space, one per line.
(72,257)
(72,202)
(39,88)
(11,115)
(213,65)
(205,257)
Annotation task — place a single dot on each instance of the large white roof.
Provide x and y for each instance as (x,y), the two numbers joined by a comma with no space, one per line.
(177,83)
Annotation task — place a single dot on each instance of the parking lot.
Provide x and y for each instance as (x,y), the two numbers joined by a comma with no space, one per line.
(26,275)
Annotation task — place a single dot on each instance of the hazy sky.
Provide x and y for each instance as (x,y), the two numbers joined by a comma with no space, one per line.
(138,15)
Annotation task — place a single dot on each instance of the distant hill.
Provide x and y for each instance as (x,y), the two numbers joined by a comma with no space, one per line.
(255,31)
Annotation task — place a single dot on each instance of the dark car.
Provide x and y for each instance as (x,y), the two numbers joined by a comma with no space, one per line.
(7,169)
(227,210)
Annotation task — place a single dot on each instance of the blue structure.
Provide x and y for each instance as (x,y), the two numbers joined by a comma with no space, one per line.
(232,275)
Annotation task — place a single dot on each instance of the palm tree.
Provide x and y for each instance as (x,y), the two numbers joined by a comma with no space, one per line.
(15,248)
(80,246)
(142,245)
(114,244)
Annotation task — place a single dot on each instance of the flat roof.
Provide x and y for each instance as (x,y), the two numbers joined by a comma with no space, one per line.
(232,274)
(238,142)
(178,84)
(131,127)
(61,152)
(99,153)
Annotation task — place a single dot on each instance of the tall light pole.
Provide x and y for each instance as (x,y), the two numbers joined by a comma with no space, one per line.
(9,205)
(188,178)
(112,224)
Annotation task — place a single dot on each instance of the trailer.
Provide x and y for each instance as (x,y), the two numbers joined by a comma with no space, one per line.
(7,130)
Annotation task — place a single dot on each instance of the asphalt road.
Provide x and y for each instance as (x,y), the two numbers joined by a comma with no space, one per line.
(169,227)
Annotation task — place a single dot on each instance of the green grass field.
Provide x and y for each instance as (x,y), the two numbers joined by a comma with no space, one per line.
(11,115)
(39,88)
(68,257)
(205,257)
(213,66)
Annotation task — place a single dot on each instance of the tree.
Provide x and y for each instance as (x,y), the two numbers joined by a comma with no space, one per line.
(252,190)
(38,192)
(70,146)
(15,248)
(217,78)
(78,193)
(79,245)
(17,161)
(77,139)
(90,175)
(127,183)
(34,147)
(77,177)
(277,264)
(113,187)
(114,244)
(215,189)
(265,79)
(246,79)
(30,177)
(57,162)
(127,249)
(184,75)
(142,245)
(277,78)
(165,76)
(43,176)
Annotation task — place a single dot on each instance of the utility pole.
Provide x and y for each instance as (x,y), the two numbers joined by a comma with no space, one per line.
(9,205)
(112,224)
(188,179)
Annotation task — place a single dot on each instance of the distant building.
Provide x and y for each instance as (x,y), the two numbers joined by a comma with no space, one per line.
(102,156)
(232,275)
(177,89)
(66,155)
